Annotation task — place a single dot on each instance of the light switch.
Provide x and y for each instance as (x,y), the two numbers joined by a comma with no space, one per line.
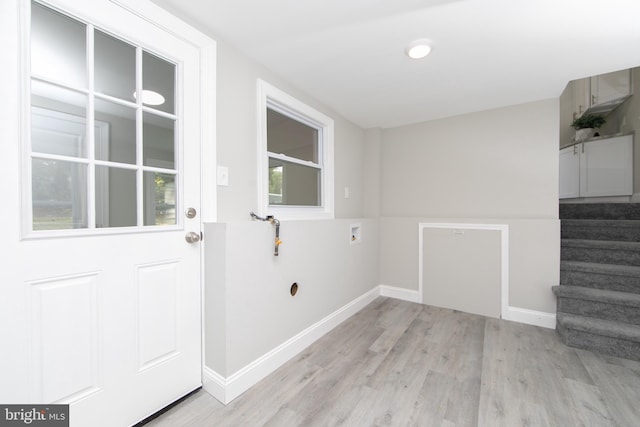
(346,193)
(223,175)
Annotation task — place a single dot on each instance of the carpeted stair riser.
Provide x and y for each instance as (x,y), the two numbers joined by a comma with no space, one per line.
(599,281)
(599,343)
(620,253)
(599,310)
(621,211)
(623,231)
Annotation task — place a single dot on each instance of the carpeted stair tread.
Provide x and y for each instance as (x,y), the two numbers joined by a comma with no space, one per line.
(616,211)
(618,330)
(598,295)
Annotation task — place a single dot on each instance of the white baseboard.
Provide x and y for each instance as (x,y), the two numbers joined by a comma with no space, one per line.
(531,317)
(214,384)
(400,293)
(227,389)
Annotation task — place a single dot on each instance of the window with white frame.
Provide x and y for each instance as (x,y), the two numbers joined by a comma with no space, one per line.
(295,157)
(102,152)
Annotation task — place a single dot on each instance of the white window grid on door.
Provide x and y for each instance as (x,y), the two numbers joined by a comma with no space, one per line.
(97,140)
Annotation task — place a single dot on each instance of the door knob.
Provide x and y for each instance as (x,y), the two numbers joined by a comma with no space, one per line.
(192,237)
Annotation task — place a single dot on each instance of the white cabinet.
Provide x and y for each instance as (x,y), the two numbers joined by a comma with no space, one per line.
(606,88)
(570,172)
(598,168)
(600,94)
(606,167)
(580,96)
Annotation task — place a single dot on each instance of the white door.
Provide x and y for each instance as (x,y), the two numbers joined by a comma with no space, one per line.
(100,292)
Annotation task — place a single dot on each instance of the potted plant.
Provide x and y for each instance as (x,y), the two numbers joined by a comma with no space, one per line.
(585,125)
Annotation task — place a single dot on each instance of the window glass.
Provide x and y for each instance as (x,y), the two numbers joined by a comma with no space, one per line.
(58,47)
(294,184)
(158,79)
(115,197)
(158,141)
(160,199)
(290,137)
(275,183)
(115,67)
(58,132)
(121,146)
(59,194)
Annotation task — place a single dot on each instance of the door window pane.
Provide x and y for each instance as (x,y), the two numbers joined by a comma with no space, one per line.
(158,77)
(121,120)
(58,47)
(158,141)
(115,67)
(55,132)
(160,199)
(59,195)
(115,197)
(56,98)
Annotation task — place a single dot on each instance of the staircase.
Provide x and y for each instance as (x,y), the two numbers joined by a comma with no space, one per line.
(598,300)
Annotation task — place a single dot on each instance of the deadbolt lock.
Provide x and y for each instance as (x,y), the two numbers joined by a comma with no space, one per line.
(190,213)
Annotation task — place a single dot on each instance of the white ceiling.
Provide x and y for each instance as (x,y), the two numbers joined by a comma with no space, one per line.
(349,54)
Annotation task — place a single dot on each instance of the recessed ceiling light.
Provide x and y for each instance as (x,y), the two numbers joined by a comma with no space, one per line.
(418,49)
(150,97)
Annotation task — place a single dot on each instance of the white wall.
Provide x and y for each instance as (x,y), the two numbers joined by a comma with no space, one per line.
(259,312)
(498,163)
(249,312)
(372,172)
(237,144)
(498,166)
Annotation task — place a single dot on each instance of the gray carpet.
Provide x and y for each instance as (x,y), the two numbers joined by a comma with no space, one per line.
(598,300)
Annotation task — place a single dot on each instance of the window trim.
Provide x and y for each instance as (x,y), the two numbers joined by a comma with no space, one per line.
(271,97)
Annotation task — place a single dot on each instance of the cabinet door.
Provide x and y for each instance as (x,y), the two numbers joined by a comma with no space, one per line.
(569,172)
(606,167)
(610,87)
(580,94)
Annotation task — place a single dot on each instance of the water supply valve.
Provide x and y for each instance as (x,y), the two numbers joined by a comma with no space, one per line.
(276,223)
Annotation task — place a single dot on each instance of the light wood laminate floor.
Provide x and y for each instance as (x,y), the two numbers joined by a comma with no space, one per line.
(397,363)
